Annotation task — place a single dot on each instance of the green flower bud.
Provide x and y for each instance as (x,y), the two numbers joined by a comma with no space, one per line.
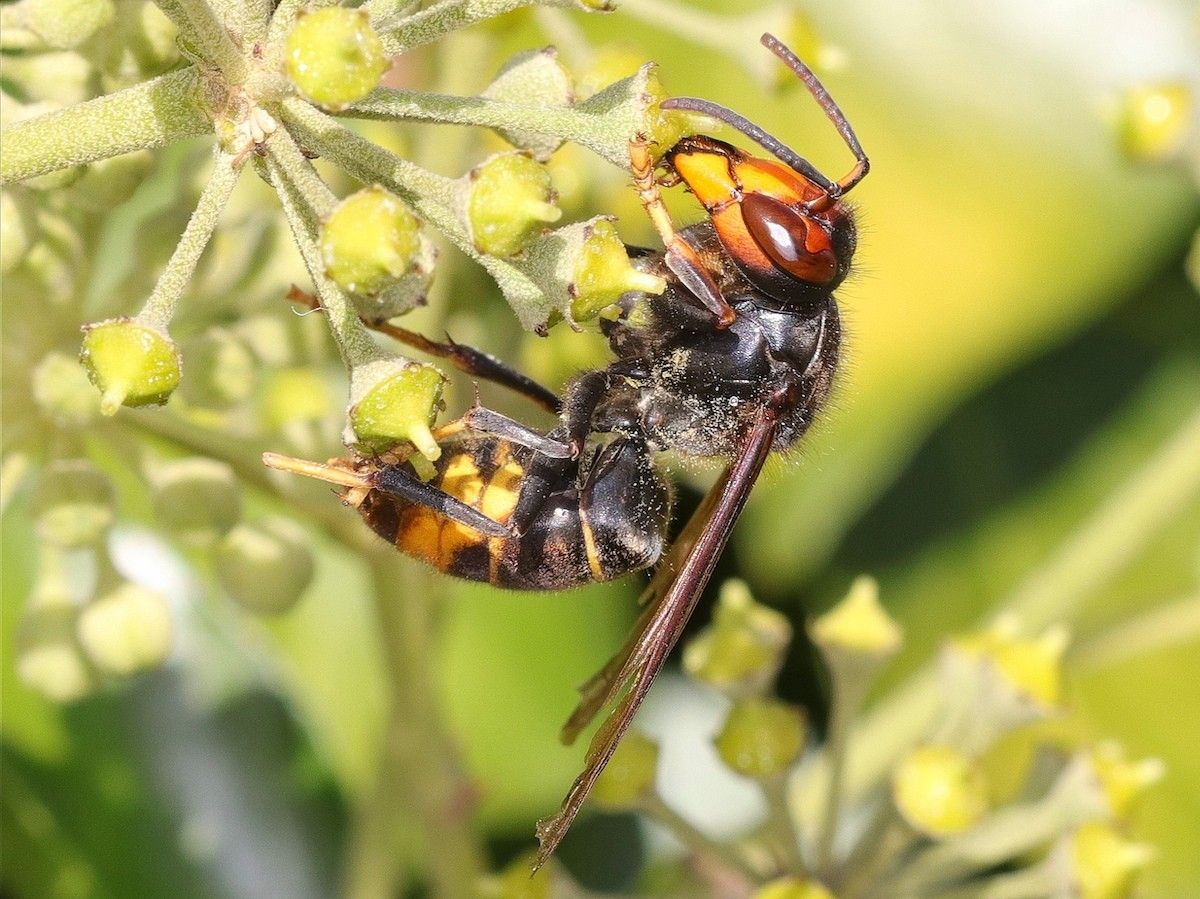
(392,401)
(666,126)
(265,567)
(63,393)
(293,395)
(761,738)
(334,56)
(221,371)
(126,630)
(64,24)
(1103,863)
(793,888)
(131,364)
(939,791)
(1154,121)
(510,201)
(48,658)
(603,272)
(1031,667)
(196,499)
(18,228)
(74,503)
(1124,781)
(607,65)
(630,774)
(369,241)
(858,624)
(533,77)
(741,652)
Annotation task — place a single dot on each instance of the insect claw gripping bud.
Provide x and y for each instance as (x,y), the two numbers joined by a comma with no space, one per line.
(334,57)
(369,241)
(392,401)
(132,364)
(510,200)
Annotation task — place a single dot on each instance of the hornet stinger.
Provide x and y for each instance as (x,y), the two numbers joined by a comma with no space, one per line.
(734,360)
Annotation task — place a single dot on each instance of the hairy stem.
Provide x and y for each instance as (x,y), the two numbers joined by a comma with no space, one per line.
(152,114)
(305,198)
(201,29)
(171,284)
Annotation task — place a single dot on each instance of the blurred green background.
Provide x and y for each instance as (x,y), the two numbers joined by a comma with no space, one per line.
(1022,337)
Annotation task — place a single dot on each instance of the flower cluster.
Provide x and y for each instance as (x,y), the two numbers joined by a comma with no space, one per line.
(960,813)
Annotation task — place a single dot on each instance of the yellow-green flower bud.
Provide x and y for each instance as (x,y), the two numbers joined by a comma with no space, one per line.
(196,499)
(665,126)
(63,392)
(532,77)
(630,774)
(295,395)
(607,65)
(126,630)
(265,567)
(858,625)
(793,888)
(64,24)
(74,503)
(393,401)
(761,738)
(510,201)
(601,272)
(939,791)
(1154,121)
(221,371)
(741,652)
(1104,864)
(1032,667)
(18,228)
(131,364)
(49,659)
(334,56)
(369,241)
(1124,781)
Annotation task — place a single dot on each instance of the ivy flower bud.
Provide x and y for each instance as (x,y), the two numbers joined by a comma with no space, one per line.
(1031,667)
(334,57)
(793,888)
(196,499)
(939,790)
(1103,863)
(265,567)
(630,775)
(761,738)
(132,364)
(741,652)
(1123,781)
(369,241)
(295,395)
(64,24)
(49,659)
(126,630)
(665,126)
(74,503)
(1154,120)
(62,391)
(858,625)
(537,77)
(221,371)
(509,202)
(392,401)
